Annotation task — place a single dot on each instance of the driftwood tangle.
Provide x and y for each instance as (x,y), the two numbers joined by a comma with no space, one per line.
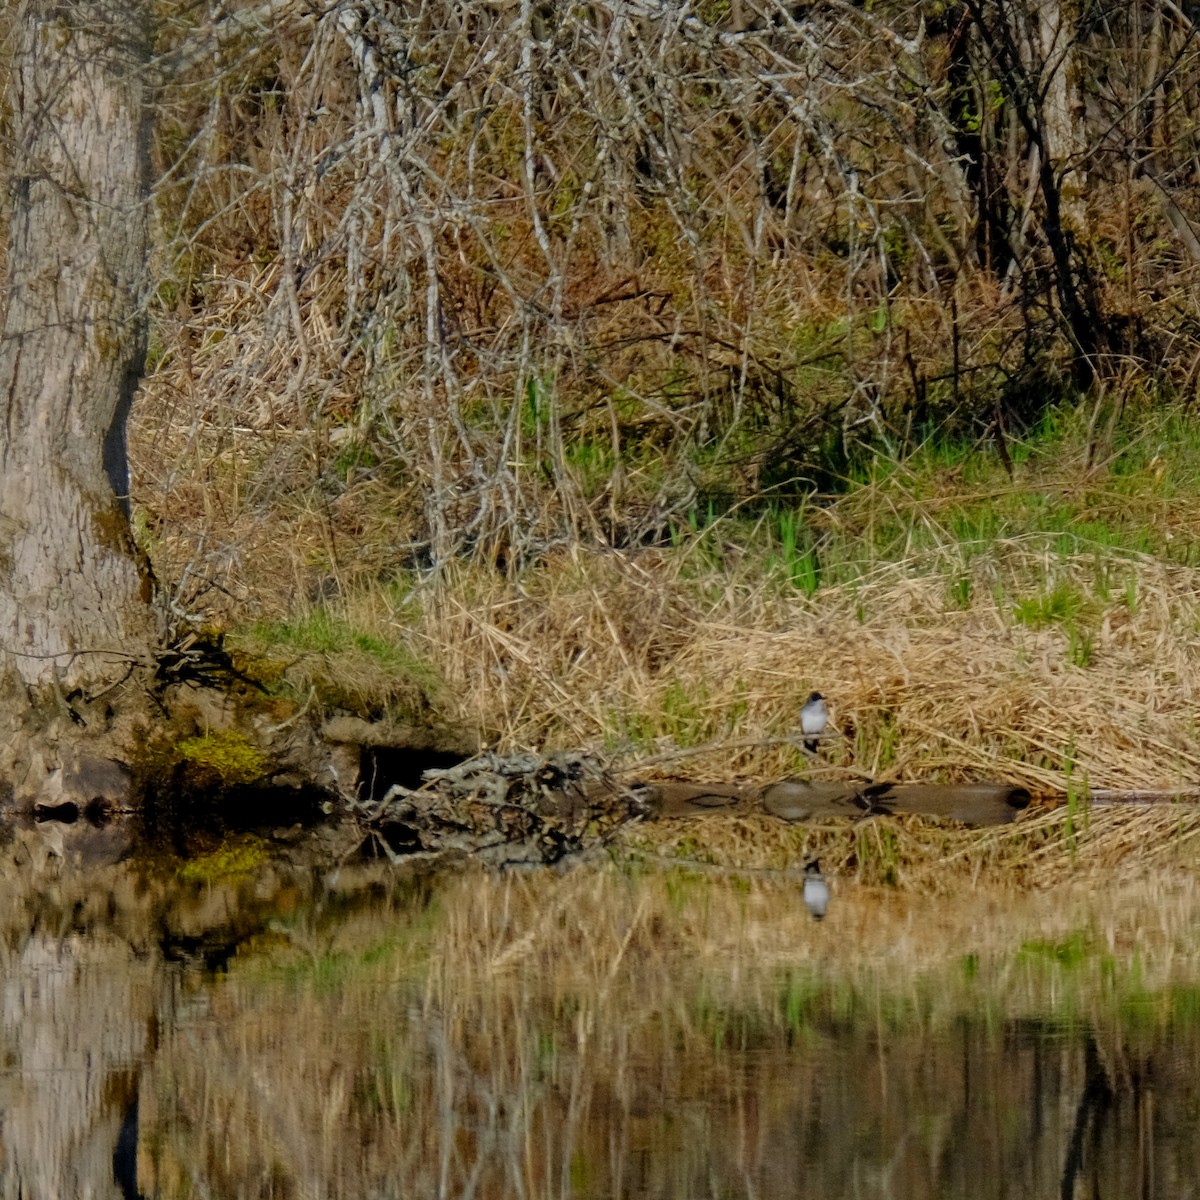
(508,809)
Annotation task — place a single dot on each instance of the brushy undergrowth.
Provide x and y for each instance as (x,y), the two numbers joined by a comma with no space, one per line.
(638,267)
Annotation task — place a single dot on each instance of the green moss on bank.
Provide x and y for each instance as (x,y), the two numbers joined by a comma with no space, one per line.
(222,759)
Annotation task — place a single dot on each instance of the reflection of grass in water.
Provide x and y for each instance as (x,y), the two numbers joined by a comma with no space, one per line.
(322,963)
(600,937)
(587,937)
(490,1035)
(1069,952)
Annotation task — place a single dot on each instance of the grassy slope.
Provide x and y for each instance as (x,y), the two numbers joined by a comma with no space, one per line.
(964,624)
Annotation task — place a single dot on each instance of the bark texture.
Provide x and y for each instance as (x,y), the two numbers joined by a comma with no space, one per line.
(1056,69)
(75,594)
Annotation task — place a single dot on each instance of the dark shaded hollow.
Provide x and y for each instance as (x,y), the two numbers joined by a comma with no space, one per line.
(172,818)
(381,767)
(392,838)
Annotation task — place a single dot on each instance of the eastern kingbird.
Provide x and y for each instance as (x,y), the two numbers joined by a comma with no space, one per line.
(816,890)
(814,717)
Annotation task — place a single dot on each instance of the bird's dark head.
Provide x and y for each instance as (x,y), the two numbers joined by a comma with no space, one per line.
(812,868)
(813,697)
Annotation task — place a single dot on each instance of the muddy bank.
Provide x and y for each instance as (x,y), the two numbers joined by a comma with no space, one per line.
(244,763)
(228,759)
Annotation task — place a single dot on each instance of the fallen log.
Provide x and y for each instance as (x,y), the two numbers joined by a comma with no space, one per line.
(974,804)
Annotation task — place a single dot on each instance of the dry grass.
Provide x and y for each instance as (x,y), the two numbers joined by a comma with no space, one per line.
(643,651)
(941,660)
(641,648)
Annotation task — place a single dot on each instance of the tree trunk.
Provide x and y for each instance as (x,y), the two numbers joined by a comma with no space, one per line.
(75,613)
(1054,66)
(76,619)
(1038,90)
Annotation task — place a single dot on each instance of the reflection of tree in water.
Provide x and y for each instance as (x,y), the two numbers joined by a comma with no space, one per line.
(1134,1131)
(1024,1108)
(77,1013)
(79,994)
(83,992)
(1095,1101)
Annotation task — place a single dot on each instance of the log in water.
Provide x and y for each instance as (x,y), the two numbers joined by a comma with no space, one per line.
(973,804)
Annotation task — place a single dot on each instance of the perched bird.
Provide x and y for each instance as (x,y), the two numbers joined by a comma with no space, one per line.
(814,718)
(816,890)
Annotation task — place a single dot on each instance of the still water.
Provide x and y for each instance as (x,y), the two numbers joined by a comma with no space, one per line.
(273,1029)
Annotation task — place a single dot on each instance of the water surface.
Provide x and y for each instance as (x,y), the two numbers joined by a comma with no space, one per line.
(289,1031)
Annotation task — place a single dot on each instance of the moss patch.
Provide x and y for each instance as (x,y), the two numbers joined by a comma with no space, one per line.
(222,759)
